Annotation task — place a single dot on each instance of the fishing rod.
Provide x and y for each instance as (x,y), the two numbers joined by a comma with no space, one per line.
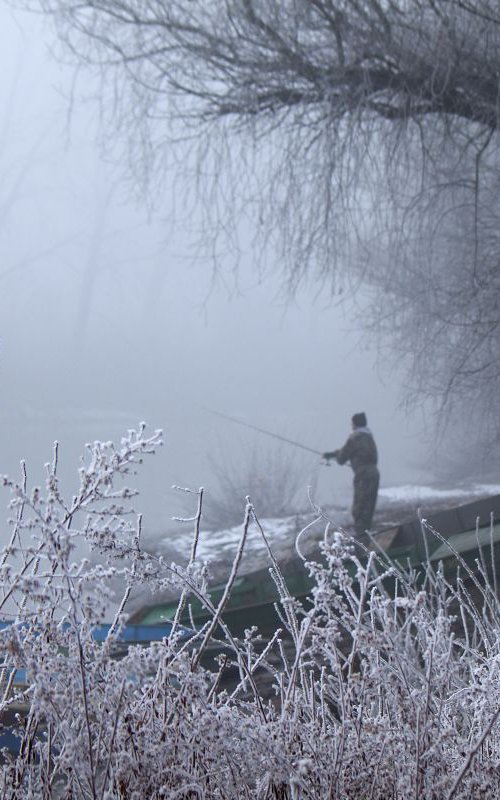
(261,430)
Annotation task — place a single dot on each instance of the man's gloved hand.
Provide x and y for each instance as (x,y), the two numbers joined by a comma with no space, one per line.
(329,456)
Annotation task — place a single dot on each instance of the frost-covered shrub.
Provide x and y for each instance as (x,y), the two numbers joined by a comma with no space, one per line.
(387,686)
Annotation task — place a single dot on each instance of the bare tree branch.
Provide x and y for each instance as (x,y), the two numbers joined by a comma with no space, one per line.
(360,137)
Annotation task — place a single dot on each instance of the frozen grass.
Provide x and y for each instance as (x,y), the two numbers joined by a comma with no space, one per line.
(389,686)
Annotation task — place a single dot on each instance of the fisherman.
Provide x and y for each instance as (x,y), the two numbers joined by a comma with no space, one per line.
(360,450)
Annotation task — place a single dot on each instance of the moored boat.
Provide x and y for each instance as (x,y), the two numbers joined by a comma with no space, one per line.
(469,531)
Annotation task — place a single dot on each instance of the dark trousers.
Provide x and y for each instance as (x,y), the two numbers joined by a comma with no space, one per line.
(366,481)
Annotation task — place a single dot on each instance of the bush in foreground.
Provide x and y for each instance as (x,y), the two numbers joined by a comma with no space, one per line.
(377,694)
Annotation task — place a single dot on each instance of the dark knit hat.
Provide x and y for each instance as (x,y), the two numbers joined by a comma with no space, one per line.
(359,420)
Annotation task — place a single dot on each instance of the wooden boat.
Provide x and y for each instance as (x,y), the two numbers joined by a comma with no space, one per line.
(253,600)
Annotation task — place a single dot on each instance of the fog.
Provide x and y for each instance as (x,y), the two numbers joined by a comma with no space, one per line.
(108,319)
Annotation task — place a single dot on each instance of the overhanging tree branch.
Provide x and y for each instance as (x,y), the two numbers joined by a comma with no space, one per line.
(354,134)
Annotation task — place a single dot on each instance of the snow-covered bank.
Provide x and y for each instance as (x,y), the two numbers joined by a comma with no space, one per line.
(425,494)
(395,504)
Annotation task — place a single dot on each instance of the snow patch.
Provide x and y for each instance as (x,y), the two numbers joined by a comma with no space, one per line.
(395,503)
(414,494)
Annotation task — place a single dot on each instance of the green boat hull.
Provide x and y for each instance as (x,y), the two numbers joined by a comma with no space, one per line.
(472,531)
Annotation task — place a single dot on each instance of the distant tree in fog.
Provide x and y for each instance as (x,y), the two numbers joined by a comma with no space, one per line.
(361,135)
(272,478)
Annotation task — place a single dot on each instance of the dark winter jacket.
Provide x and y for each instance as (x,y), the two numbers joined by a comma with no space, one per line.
(360,450)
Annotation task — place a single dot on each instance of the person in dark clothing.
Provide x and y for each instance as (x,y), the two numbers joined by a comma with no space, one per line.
(360,451)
